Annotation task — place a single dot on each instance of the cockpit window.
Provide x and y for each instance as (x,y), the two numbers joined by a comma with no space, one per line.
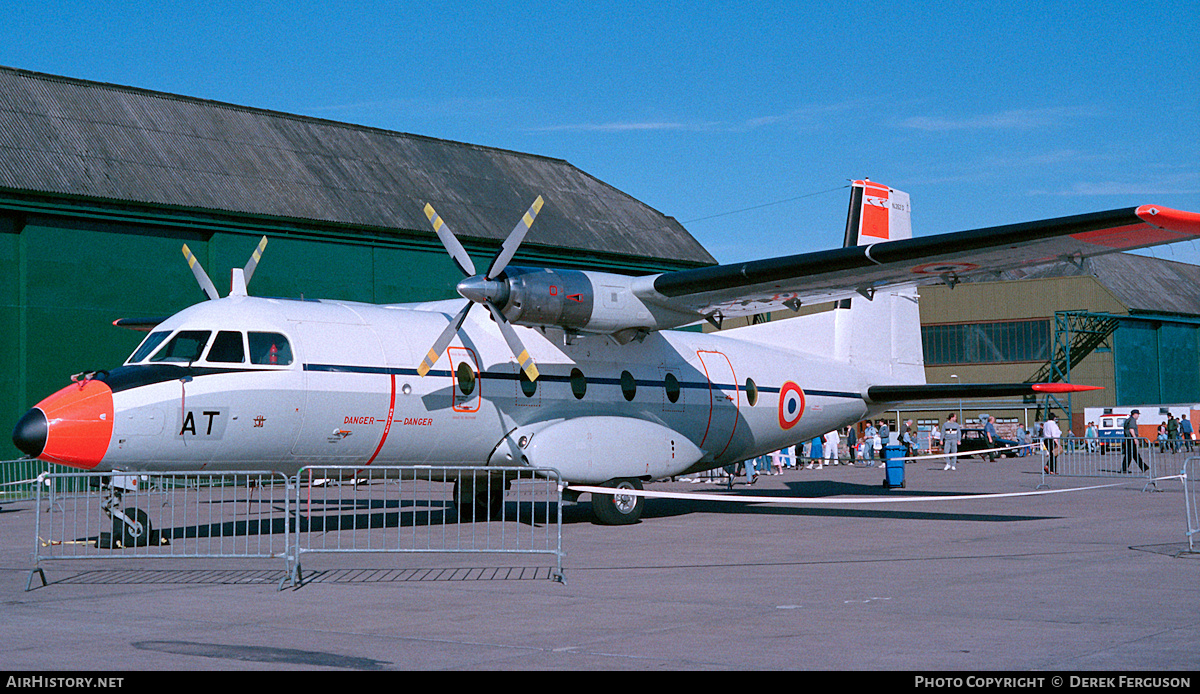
(152,340)
(227,348)
(270,348)
(186,346)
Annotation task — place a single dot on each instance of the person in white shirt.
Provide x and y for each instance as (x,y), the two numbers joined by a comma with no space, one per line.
(830,449)
(1051,432)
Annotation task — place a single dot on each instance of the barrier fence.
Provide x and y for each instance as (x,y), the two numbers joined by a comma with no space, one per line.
(410,509)
(165,515)
(261,514)
(1190,473)
(1122,458)
(19,478)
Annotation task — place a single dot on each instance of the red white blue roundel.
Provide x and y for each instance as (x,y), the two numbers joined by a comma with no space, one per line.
(791,405)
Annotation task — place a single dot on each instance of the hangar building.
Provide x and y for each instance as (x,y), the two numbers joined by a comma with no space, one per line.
(1126,322)
(1123,321)
(101,185)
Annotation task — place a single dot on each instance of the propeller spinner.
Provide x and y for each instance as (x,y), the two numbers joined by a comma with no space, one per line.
(482,289)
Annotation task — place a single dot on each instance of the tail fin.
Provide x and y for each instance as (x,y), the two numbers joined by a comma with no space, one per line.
(877,213)
(883,333)
(880,336)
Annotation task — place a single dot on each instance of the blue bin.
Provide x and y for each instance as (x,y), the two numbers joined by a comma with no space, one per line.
(893,473)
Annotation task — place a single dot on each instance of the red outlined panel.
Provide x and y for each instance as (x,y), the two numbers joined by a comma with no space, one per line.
(722,381)
(791,405)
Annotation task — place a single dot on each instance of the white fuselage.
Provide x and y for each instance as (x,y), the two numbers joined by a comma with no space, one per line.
(351,396)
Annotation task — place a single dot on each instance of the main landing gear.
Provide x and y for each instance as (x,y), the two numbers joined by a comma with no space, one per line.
(619,509)
(480,498)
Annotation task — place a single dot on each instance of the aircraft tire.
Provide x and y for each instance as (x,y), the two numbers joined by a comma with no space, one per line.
(131,537)
(477,500)
(615,509)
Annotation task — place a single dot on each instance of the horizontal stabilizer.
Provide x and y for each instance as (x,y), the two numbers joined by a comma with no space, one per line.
(940,391)
(142,325)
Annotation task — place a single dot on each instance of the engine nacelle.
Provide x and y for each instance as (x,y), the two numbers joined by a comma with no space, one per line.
(591,302)
(539,296)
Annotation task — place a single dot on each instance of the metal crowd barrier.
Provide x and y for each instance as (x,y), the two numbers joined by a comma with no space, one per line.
(1109,457)
(167,515)
(1191,471)
(261,514)
(19,478)
(417,509)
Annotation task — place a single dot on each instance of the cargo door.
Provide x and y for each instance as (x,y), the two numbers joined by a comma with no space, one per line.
(724,401)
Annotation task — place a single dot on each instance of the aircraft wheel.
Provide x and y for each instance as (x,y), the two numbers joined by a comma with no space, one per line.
(133,537)
(478,500)
(619,509)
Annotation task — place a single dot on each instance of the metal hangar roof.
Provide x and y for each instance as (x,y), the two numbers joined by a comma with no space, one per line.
(74,138)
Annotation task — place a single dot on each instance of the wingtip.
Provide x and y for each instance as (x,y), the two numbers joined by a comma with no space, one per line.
(1167,218)
(1062,388)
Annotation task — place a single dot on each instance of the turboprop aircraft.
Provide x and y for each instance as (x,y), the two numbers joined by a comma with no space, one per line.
(573,370)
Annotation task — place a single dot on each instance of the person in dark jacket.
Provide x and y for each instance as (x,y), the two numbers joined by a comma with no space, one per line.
(1130,444)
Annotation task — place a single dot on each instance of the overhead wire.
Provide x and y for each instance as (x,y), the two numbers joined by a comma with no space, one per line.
(766,204)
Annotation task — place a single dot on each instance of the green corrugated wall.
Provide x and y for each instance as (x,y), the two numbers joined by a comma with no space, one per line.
(63,281)
(1157,362)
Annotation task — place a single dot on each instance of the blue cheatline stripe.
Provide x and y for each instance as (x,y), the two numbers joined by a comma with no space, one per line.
(552,378)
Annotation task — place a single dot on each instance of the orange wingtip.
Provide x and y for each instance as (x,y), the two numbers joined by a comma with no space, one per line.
(1062,388)
(1174,220)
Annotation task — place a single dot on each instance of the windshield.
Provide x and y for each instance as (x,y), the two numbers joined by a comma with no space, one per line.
(152,340)
(186,346)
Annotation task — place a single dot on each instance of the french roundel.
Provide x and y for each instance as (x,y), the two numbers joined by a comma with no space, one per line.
(791,405)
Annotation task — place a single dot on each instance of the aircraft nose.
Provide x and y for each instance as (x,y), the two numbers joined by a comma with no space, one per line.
(73,426)
(30,433)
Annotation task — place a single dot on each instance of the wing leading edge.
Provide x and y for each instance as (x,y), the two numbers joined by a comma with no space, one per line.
(765,285)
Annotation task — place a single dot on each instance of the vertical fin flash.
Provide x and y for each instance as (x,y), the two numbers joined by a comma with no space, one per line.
(877,213)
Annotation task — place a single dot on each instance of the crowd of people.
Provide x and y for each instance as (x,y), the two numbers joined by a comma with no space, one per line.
(862,444)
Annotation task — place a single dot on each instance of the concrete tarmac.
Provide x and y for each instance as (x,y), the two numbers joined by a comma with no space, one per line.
(1079,581)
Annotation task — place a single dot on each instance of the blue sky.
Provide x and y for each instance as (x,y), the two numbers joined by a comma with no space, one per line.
(743,120)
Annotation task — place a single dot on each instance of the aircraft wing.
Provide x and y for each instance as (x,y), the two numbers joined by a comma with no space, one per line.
(765,285)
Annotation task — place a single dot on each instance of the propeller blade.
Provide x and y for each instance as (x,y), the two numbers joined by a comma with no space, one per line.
(254,258)
(443,340)
(509,249)
(457,253)
(201,276)
(514,343)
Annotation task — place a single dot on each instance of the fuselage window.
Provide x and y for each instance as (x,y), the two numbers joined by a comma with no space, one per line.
(751,392)
(186,346)
(152,340)
(628,385)
(578,384)
(528,387)
(672,385)
(227,348)
(270,348)
(466,378)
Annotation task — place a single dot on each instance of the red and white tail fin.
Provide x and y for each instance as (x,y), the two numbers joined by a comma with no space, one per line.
(884,331)
(877,213)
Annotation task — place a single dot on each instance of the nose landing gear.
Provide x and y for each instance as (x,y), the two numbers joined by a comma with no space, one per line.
(130,527)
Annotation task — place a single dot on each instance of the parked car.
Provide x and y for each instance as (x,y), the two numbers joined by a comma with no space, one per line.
(976,440)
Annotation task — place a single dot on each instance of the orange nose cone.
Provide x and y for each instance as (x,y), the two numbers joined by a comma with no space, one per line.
(79,424)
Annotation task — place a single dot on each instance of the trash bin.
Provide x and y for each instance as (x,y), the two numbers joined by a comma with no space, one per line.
(893,469)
